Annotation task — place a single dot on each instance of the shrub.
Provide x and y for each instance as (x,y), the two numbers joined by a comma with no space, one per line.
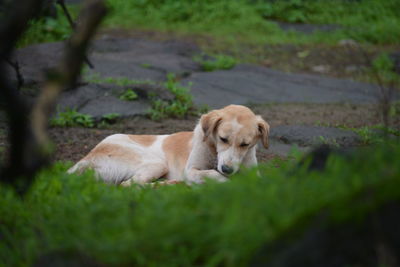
(210,224)
(128,95)
(71,117)
(179,107)
(219,62)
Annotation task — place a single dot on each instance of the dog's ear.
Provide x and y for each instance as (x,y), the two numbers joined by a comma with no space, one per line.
(263,129)
(209,122)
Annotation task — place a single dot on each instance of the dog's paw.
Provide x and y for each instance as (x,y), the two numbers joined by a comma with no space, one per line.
(127,183)
(216,176)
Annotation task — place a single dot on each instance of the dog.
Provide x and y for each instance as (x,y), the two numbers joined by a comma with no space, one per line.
(221,142)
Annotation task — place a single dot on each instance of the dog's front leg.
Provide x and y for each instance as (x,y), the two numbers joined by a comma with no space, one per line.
(250,160)
(196,176)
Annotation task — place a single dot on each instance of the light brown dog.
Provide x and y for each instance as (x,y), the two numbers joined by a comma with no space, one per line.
(221,142)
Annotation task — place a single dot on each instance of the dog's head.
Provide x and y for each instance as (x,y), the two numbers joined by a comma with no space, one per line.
(233,131)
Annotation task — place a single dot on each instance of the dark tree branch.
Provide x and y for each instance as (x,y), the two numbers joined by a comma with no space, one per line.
(30,147)
(21,162)
(385,91)
(67,73)
(15,66)
(73,26)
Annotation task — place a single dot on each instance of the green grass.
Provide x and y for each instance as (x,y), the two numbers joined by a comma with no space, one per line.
(95,77)
(48,29)
(72,118)
(110,118)
(232,21)
(383,67)
(206,225)
(218,62)
(128,95)
(373,21)
(181,106)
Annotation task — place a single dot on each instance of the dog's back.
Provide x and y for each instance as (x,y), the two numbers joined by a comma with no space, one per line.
(121,157)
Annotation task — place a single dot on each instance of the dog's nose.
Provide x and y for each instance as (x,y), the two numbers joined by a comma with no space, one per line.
(226,169)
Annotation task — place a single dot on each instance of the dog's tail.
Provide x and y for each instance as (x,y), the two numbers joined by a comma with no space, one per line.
(79,167)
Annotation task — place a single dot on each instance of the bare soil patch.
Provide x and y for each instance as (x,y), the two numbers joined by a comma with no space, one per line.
(73,143)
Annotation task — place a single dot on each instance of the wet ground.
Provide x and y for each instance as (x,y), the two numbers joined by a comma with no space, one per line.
(317,104)
(292,124)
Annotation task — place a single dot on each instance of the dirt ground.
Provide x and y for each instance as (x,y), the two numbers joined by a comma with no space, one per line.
(73,143)
(337,61)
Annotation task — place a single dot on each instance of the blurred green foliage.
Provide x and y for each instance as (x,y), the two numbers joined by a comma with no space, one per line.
(128,95)
(371,21)
(71,118)
(211,224)
(383,66)
(218,62)
(374,21)
(181,106)
(48,29)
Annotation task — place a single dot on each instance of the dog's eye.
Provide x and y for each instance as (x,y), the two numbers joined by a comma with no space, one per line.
(244,144)
(225,140)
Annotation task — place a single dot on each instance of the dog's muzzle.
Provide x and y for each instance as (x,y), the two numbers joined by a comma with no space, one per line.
(226,169)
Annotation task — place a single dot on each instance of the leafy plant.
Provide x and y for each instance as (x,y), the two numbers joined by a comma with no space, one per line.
(48,29)
(120,81)
(373,21)
(328,141)
(128,95)
(146,65)
(219,62)
(384,67)
(110,117)
(71,117)
(78,215)
(179,107)
(374,134)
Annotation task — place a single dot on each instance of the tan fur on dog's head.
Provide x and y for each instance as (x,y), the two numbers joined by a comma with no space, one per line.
(234,131)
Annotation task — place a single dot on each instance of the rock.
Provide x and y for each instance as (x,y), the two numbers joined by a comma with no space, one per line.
(321,68)
(131,58)
(34,60)
(306,28)
(100,99)
(352,68)
(348,42)
(371,240)
(314,135)
(395,57)
(246,84)
(109,104)
(281,149)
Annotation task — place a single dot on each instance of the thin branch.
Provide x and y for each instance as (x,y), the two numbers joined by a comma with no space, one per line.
(21,163)
(386,92)
(15,66)
(73,26)
(67,73)
(30,147)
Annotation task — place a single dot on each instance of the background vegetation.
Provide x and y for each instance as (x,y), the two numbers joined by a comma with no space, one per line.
(253,21)
(211,224)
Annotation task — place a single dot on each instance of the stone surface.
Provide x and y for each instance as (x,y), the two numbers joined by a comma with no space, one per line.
(313,135)
(132,58)
(308,28)
(253,84)
(110,104)
(137,59)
